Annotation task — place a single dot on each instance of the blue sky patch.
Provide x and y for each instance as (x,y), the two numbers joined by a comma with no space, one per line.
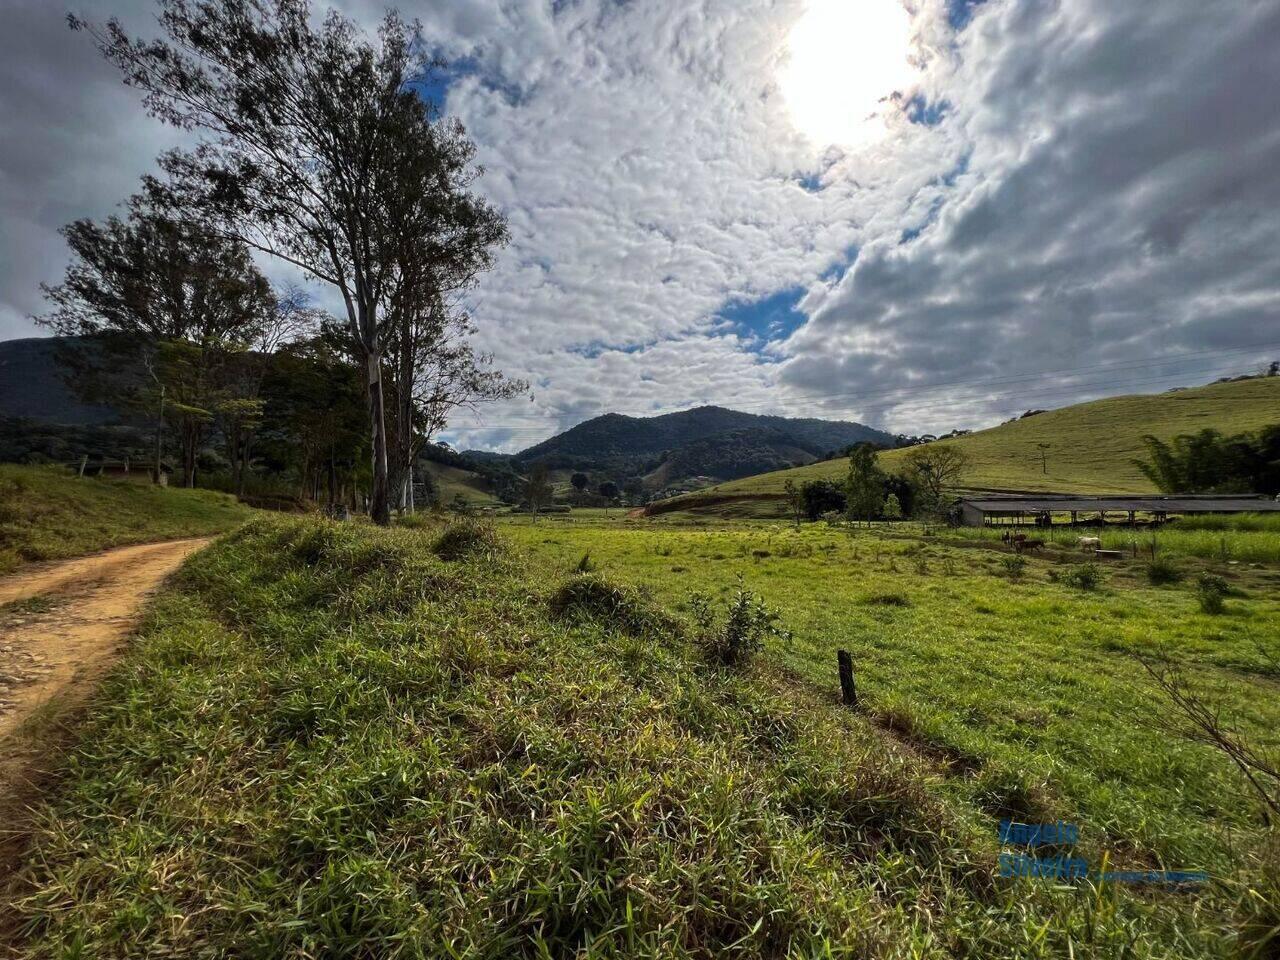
(921,111)
(960,12)
(772,318)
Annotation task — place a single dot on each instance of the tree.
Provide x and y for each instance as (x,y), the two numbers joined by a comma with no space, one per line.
(609,490)
(314,140)
(892,509)
(438,376)
(864,484)
(822,496)
(933,469)
(1043,449)
(538,491)
(151,293)
(580,482)
(1208,462)
(795,501)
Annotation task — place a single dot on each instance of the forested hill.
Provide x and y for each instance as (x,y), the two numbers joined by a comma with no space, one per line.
(707,442)
(32,387)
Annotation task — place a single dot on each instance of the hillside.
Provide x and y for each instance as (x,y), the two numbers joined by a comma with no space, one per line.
(48,514)
(707,441)
(31,386)
(1091,445)
(453,482)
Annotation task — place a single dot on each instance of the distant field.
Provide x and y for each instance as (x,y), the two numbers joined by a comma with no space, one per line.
(46,513)
(454,482)
(1091,445)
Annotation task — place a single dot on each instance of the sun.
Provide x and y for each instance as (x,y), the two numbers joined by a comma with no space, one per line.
(844,58)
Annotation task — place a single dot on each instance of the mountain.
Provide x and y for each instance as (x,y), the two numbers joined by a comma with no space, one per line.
(705,442)
(1090,446)
(31,386)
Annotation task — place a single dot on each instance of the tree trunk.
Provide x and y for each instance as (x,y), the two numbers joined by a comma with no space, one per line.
(380,502)
(190,443)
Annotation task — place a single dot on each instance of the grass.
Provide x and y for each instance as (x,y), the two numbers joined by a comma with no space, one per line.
(1028,680)
(454,482)
(1091,446)
(48,514)
(331,741)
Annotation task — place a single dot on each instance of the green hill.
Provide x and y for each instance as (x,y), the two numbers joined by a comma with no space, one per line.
(1091,445)
(454,482)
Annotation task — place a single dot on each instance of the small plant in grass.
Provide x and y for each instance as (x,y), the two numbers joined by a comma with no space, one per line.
(1161,571)
(1211,591)
(747,623)
(921,563)
(1014,566)
(585,565)
(593,598)
(1085,576)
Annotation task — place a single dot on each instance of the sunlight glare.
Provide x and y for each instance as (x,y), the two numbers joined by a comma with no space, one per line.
(844,57)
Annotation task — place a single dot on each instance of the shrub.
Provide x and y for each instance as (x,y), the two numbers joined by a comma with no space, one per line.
(585,565)
(467,537)
(1014,566)
(1211,591)
(1161,571)
(747,623)
(1086,576)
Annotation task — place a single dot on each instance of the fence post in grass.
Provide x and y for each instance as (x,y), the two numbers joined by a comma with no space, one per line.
(84,462)
(848,691)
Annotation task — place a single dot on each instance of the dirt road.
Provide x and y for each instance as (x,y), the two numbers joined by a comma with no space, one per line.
(62,626)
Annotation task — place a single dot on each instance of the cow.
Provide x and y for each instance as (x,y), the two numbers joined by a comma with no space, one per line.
(1089,543)
(1023,543)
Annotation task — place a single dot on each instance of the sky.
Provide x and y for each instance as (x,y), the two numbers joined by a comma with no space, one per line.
(920,216)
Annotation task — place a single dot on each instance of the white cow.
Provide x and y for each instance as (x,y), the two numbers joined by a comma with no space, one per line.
(1089,543)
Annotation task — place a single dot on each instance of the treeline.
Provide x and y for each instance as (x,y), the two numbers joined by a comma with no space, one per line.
(319,148)
(1210,462)
(867,493)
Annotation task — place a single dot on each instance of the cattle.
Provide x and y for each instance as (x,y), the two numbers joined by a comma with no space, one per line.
(1089,543)
(1023,543)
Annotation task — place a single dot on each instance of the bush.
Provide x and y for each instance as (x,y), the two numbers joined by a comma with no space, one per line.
(1211,591)
(746,624)
(1086,576)
(1161,571)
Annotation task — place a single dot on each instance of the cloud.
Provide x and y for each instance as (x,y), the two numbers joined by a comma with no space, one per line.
(1077,187)
(1118,203)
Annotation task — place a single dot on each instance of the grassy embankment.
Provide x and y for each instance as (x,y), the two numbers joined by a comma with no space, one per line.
(47,513)
(1092,447)
(332,740)
(454,482)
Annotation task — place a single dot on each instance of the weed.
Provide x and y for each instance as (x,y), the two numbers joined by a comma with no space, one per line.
(1211,592)
(1162,571)
(1085,576)
(585,565)
(745,627)
(1014,566)
(592,598)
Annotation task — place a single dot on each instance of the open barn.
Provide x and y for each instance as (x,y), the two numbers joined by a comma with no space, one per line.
(1045,509)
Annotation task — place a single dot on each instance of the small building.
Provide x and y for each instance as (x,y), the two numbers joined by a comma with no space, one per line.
(1041,509)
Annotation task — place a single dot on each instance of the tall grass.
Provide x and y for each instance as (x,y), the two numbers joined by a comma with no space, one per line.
(1251,541)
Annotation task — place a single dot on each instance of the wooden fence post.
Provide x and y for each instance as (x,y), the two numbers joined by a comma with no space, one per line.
(848,691)
(84,461)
